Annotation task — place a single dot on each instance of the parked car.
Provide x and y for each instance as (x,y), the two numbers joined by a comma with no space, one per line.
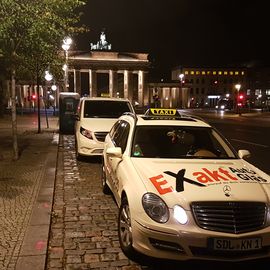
(183,191)
(94,119)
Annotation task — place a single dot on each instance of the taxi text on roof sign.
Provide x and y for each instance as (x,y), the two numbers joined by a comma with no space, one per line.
(163,111)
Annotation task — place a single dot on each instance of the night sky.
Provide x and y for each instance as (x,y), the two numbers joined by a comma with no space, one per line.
(182,32)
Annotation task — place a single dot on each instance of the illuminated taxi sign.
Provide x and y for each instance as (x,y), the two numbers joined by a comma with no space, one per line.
(105,95)
(161,112)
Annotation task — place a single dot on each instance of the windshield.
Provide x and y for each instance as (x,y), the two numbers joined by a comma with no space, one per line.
(105,108)
(180,142)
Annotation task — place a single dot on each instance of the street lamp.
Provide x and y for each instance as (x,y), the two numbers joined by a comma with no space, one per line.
(48,77)
(238,86)
(181,77)
(65,46)
(54,92)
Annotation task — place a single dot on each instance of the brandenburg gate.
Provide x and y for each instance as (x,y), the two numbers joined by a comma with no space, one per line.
(102,72)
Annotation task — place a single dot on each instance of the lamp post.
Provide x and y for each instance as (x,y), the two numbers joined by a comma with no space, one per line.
(48,77)
(65,46)
(181,77)
(54,88)
(238,86)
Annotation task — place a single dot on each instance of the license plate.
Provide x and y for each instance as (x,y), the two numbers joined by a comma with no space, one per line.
(236,244)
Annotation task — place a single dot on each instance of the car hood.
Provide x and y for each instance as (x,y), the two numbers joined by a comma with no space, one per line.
(98,124)
(185,181)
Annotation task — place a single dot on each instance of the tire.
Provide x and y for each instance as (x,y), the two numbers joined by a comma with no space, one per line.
(125,230)
(78,156)
(105,188)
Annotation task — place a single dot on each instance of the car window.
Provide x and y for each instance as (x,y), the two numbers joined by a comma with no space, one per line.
(120,135)
(105,108)
(180,142)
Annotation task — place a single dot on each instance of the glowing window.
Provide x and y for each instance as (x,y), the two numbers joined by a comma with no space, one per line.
(186,72)
(192,72)
(220,73)
(214,72)
(225,72)
(203,72)
(208,72)
(236,73)
(231,72)
(258,92)
(197,72)
(242,73)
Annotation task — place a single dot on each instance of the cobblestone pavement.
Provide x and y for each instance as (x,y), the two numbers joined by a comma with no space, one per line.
(84,224)
(83,231)
(21,182)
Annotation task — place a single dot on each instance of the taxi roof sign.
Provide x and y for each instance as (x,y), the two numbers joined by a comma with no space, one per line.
(162,112)
(166,114)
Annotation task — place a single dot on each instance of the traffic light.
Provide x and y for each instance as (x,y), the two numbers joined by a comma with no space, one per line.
(240,100)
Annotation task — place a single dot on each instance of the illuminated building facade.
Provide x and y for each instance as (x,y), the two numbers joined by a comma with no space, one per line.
(208,85)
(113,74)
(258,88)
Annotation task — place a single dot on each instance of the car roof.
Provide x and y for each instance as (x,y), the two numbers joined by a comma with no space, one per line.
(173,120)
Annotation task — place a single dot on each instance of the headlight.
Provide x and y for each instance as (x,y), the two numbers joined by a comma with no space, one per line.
(155,207)
(86,133)
(180,214)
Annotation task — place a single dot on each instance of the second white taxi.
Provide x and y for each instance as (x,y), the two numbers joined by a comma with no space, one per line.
(183,192)
(94,119)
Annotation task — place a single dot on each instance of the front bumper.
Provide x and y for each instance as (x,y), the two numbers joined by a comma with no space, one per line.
(89,147)
(193,244)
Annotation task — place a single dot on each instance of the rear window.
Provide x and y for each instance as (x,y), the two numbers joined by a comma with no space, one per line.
(105,108)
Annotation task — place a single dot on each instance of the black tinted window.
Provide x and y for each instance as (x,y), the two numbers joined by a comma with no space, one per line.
(105,109)
(121,135)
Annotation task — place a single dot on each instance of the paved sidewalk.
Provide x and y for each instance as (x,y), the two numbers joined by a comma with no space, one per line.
(26,191)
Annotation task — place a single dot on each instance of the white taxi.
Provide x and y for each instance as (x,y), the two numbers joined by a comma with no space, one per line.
(183,192)
(95,117)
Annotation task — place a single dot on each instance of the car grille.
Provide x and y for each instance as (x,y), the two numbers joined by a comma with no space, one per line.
(100,136)
(229,217)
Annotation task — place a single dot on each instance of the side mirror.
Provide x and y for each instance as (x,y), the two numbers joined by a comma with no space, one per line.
(244,154)
(114,152)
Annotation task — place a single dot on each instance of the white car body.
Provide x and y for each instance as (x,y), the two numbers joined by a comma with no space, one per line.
(211,187)
(97,126)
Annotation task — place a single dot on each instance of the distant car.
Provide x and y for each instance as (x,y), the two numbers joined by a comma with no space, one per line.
(183,191)
(224,104)
(94,119)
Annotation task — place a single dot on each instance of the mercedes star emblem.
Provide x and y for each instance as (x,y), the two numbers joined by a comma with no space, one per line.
(227,190)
